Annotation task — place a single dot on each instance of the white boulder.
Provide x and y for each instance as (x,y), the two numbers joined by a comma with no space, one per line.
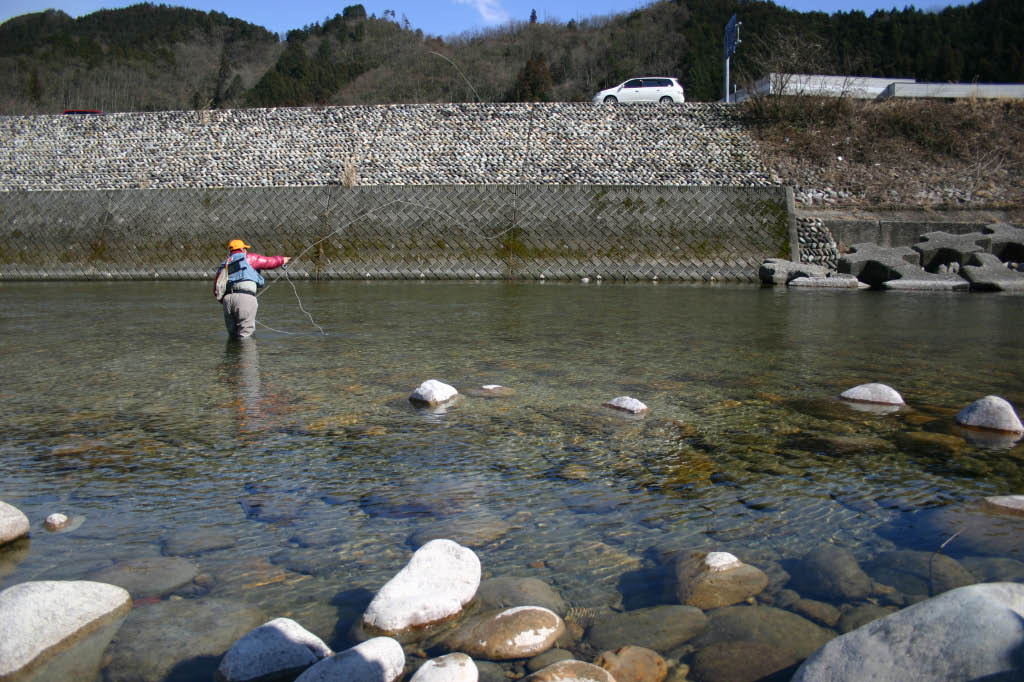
(433,392)
(40,619)
(626,404)
(969,633)
(380,659)
(56,521)
(280,648)
(13,523)
(873,393)
(991,412)
(440,579)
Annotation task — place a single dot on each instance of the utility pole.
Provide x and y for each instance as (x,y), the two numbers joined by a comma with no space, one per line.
(732,39)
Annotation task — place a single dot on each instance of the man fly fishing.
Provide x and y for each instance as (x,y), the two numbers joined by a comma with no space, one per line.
(235,286)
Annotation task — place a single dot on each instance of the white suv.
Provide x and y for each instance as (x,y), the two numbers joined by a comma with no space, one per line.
(646,89)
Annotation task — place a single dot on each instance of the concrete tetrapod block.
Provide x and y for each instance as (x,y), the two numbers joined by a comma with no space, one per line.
(943,248)
(1004,241)
(986,272)
(782,271)
(873,264)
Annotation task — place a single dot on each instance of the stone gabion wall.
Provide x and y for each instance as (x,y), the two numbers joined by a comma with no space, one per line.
(817,245)
(422,144)
(385,232)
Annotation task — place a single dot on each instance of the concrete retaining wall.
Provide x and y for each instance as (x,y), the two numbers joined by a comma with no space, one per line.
(451,232)
(440,190)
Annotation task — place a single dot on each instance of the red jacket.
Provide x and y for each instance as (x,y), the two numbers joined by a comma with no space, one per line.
(258,261)
(263,262)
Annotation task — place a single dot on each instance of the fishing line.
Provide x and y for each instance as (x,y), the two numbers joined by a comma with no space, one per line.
(284,270)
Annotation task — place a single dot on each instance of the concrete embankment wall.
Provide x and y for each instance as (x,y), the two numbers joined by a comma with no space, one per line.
(454,191)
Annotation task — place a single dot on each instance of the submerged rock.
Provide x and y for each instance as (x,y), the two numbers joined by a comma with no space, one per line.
(991,412)
(439,580)
(186,636)
(741,661)
(780,629)
(277,650)
(150,576)
(918,573)
(661,628)
(506,592)
(432,392)
(992,526)
(832,573)
(711,580)
(58,623)
(970,633)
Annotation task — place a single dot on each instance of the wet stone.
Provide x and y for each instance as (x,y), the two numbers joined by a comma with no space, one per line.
(918,573)
(571,670)
(475,531)
(711,580)
(150,644)
(518,632)
(506,592)
(547,658)
(191,542)
(861,615)
(741,661)
(661,628)
(633,664)
(782,630)
(981,528)
(150,576)
(830,572)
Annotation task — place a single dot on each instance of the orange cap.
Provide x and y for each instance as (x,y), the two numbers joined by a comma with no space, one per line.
(236,244)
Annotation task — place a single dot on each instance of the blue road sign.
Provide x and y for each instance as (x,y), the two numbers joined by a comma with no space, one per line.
(731,36)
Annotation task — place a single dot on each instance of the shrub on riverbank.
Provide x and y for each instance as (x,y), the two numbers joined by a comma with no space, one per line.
(896,153)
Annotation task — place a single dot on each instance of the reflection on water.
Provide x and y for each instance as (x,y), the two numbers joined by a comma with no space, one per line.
(292,470)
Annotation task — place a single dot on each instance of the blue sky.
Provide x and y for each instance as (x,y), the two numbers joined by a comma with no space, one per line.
(440,17)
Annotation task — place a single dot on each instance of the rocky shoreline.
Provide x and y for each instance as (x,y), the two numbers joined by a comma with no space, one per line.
(823,615)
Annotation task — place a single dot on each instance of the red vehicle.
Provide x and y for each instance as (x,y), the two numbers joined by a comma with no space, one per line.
(82,111)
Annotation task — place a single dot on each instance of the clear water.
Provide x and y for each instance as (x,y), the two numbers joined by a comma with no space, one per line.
(125,404)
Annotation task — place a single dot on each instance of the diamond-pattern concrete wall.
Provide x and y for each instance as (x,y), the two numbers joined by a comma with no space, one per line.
(431,231)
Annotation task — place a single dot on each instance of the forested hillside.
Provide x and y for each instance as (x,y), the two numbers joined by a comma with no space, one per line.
(149,57)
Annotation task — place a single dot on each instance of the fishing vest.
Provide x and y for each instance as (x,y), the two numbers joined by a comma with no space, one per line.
(239,270)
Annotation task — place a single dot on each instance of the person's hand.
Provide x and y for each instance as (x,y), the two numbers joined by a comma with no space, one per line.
(286,259)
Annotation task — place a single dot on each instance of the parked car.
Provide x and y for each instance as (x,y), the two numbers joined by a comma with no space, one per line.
(645,89)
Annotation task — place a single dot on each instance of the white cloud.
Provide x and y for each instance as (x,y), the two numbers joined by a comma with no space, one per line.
(490,11)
